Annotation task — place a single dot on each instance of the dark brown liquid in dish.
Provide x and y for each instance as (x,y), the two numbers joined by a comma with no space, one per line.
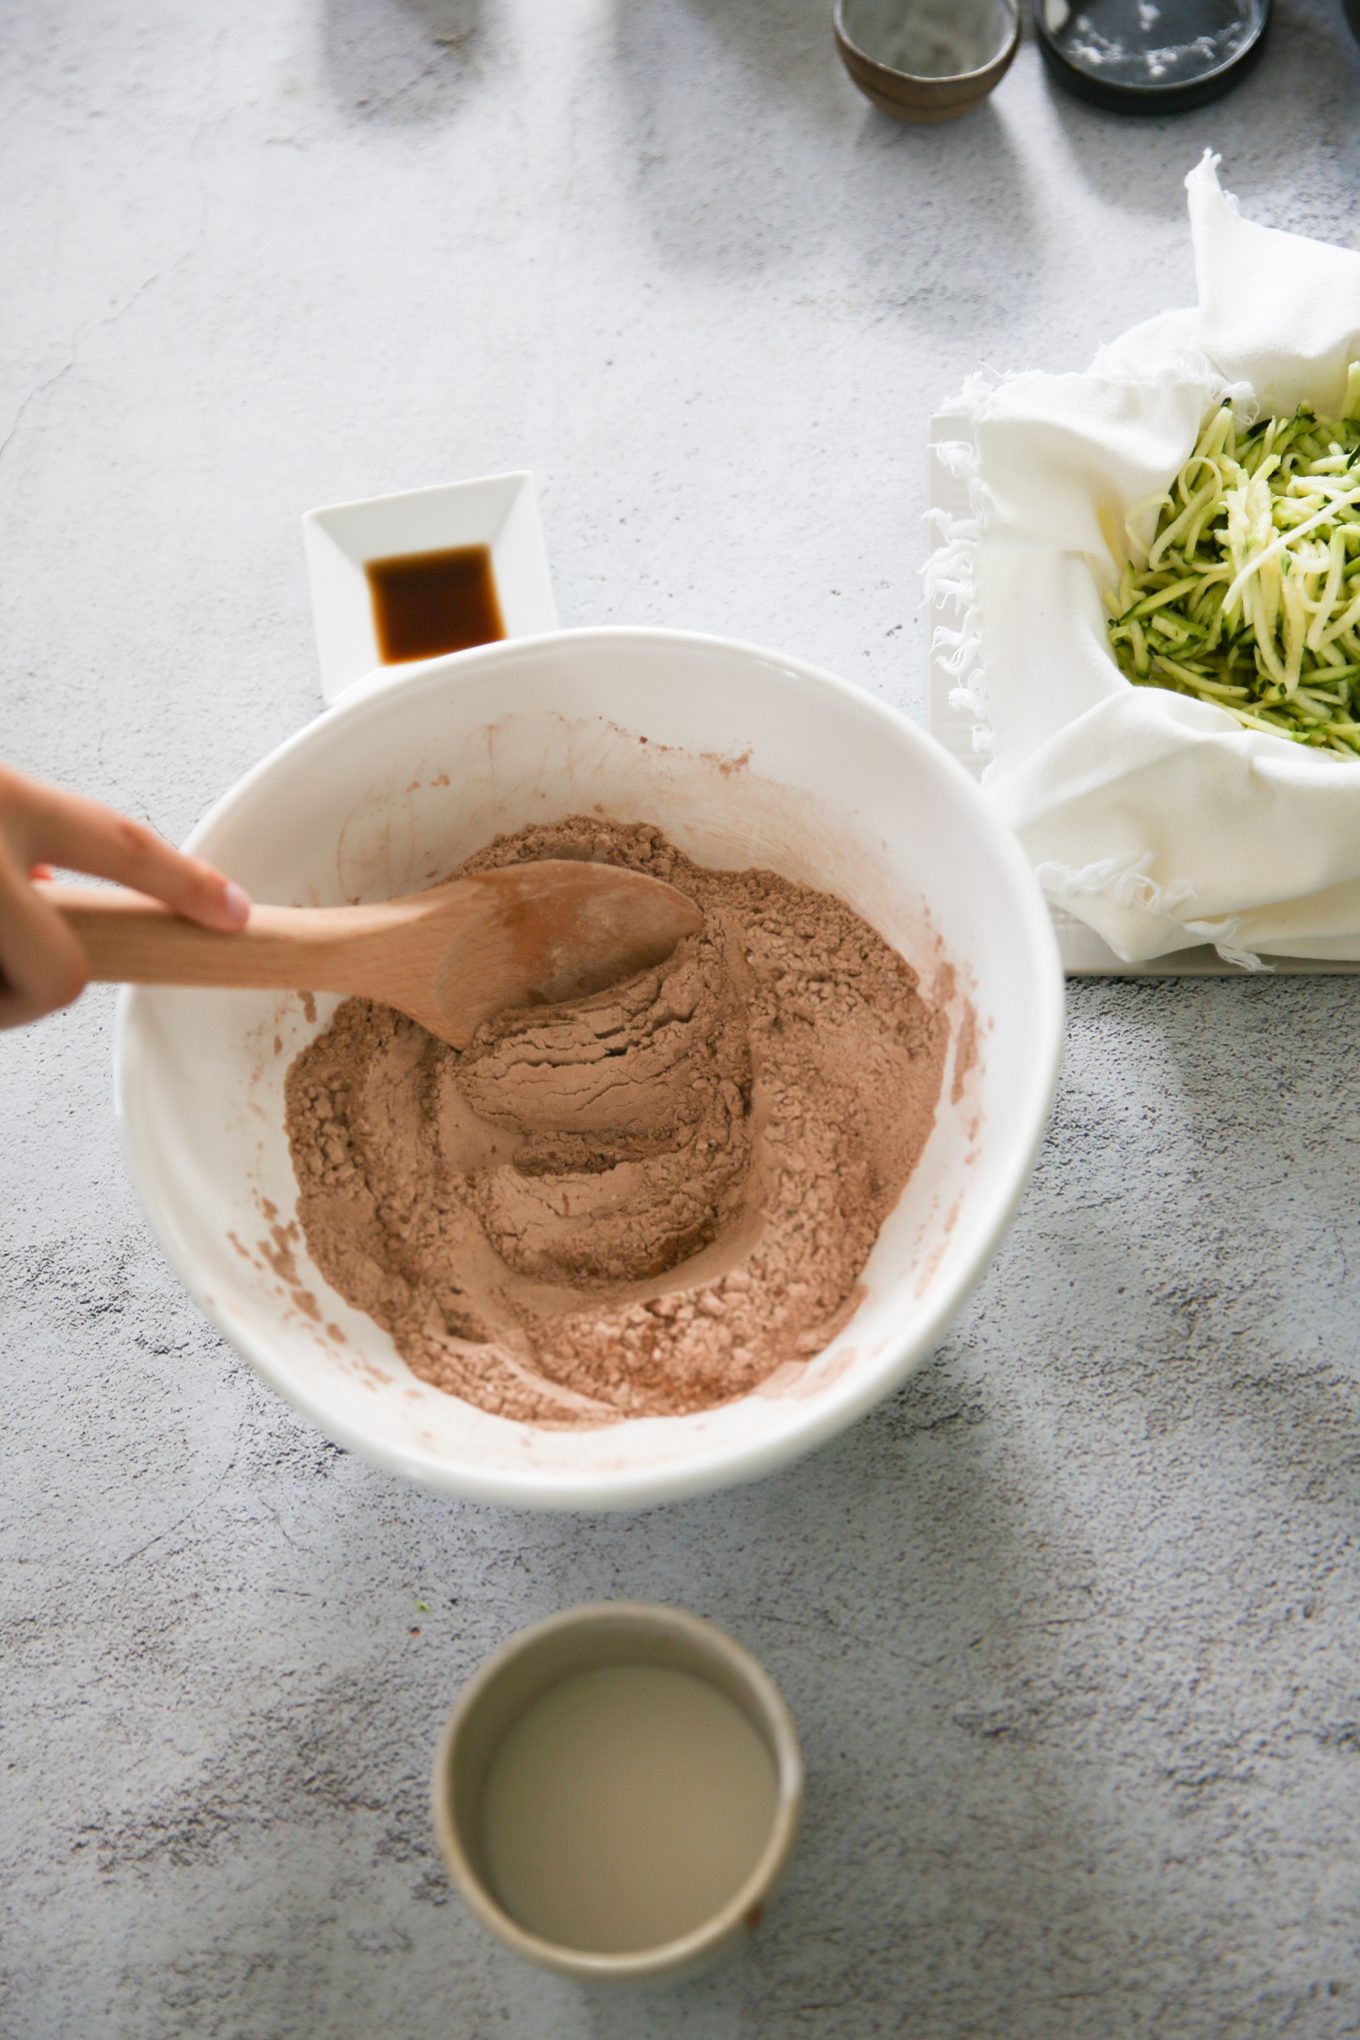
(431,602)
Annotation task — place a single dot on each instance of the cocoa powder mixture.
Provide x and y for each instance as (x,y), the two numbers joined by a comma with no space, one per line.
(640,1203)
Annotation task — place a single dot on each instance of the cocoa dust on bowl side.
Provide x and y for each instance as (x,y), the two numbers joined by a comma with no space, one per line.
(639,1203)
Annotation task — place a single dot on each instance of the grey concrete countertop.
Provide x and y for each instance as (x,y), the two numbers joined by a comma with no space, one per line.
(1071,1625)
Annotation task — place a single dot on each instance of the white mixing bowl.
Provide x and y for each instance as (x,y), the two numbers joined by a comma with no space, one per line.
(742,758)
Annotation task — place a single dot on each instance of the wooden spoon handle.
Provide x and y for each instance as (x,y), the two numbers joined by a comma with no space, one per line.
(132,940)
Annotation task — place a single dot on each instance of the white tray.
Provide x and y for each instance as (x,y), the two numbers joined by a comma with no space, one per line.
(1083,952)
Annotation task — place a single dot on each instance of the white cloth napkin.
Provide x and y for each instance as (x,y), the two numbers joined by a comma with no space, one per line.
(1158,820)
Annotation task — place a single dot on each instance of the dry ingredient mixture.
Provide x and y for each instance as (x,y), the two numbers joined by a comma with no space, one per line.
(635,1204)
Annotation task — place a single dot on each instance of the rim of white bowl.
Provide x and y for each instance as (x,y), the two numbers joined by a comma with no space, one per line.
(704,1469)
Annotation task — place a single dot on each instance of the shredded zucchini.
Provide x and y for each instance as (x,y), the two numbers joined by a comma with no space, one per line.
(1247,593)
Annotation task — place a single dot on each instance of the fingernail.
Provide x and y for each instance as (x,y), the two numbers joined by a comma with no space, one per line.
(237,904)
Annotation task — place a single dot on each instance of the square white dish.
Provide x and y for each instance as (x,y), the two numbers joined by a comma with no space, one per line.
(497,511)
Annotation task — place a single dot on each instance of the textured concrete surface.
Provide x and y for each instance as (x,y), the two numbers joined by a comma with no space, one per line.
(1070,1626)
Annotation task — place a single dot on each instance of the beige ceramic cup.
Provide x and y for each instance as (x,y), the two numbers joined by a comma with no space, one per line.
(587,1639)
(926,60)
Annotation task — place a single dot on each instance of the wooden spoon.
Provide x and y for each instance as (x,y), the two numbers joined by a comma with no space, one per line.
(450,957)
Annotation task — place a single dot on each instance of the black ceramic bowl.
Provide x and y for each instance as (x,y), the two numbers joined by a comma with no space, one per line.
(1152,56)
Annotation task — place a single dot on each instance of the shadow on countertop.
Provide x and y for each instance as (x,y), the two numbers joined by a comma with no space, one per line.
(735,106)
(405,62)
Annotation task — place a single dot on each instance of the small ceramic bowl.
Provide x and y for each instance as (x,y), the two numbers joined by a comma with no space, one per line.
(926,60)
(531,1665)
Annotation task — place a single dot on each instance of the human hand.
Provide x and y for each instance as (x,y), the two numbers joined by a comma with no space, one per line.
(42,966)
